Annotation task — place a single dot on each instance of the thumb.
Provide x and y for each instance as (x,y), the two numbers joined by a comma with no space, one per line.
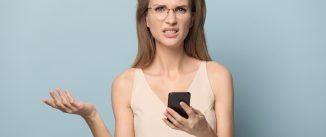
(189,110)
(77,104)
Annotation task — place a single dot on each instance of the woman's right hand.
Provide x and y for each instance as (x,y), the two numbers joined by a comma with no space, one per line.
(67,104)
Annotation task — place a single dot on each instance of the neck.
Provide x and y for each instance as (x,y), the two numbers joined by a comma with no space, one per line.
(169,60)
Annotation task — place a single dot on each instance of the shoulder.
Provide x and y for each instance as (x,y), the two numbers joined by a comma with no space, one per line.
(122,85)
(217,70)
(125,78)
(218,75)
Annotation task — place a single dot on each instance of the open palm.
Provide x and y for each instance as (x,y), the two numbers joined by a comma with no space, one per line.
(66,103)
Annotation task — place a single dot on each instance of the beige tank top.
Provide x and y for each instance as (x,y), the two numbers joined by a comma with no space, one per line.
(148,109)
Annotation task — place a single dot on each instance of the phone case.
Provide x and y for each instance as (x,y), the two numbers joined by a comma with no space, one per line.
(174,101)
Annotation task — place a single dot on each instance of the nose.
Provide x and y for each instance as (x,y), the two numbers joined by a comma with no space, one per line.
(171,17)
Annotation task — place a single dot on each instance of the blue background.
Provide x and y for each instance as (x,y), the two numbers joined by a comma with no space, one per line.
(275,50)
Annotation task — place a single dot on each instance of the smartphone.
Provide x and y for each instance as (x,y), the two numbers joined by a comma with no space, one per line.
(174,100)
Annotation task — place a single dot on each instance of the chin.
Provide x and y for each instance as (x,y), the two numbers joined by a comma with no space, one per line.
(170,43)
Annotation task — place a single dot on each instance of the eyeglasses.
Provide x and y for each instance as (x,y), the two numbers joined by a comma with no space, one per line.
(161,12)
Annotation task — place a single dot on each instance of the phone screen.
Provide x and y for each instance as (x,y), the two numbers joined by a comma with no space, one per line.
(174,101)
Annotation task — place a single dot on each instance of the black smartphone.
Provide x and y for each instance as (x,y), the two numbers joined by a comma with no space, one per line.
(174,100)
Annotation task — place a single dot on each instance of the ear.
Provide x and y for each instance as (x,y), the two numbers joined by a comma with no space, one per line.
(192,21)
(146,19)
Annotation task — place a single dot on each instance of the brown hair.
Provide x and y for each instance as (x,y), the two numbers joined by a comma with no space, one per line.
(194,44)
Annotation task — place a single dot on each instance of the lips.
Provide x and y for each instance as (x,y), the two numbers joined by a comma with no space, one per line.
(170,32)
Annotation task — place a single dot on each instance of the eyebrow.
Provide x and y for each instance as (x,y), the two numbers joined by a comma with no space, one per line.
(159,5)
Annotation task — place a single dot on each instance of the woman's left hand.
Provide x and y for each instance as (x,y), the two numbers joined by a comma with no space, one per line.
(196,123)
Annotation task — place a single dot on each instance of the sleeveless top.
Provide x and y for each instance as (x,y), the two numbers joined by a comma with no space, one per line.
(148,109)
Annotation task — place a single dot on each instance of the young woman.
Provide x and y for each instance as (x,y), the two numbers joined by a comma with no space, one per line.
(172,56)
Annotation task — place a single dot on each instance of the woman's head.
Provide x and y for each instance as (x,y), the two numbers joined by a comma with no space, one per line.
(170,23)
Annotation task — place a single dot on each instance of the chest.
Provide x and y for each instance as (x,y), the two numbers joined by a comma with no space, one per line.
(161,86)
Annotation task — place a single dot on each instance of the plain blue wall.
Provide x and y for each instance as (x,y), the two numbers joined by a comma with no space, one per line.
(274,48)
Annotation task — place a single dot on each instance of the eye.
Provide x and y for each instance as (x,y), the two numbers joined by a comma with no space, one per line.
(160,9)
(181,10)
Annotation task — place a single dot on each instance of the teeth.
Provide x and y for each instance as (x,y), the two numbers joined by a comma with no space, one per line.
(170,31)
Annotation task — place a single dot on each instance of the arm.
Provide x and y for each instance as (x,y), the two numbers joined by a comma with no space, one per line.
(97,126)
(221,82)
(67,104)
(121,98)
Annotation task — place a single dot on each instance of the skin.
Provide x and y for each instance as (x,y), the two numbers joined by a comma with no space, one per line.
(66,103)
(171,70)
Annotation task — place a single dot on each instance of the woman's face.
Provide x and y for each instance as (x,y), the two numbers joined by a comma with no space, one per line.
(169,21)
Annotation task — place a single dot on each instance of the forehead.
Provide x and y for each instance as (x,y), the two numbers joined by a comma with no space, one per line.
(168,2)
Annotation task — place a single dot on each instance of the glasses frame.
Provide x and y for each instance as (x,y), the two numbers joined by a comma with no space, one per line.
(168,10)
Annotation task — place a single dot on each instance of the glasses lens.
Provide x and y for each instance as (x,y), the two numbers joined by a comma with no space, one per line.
(160,12)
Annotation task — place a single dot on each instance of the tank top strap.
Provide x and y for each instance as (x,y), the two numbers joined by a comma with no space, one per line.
(137,84)
(201,78)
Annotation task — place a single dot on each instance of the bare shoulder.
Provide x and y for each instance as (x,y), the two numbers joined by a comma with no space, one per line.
(122,85)
(125,78)
(218,75)
(217,70)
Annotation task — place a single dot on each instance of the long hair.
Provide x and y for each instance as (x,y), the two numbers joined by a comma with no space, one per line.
(194,44)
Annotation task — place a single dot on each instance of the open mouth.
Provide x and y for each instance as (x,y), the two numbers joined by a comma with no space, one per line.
(170,33)
(170,30)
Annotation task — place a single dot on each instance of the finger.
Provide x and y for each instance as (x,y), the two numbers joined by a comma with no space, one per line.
(53,95)
(189,110)
(70,98)
(49,102)
(166,121)
(65,101)
(58,101)
(55,98)
(61,95)
(63,98)
(176,115)
(173,118)
(52,104)
(73,102)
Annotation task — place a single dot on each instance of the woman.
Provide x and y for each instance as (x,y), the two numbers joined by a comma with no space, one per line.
(172,56)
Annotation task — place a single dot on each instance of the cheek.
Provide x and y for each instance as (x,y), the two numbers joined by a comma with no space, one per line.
(154,27)
(186,27)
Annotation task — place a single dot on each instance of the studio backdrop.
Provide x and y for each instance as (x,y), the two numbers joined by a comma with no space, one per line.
(275,50)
